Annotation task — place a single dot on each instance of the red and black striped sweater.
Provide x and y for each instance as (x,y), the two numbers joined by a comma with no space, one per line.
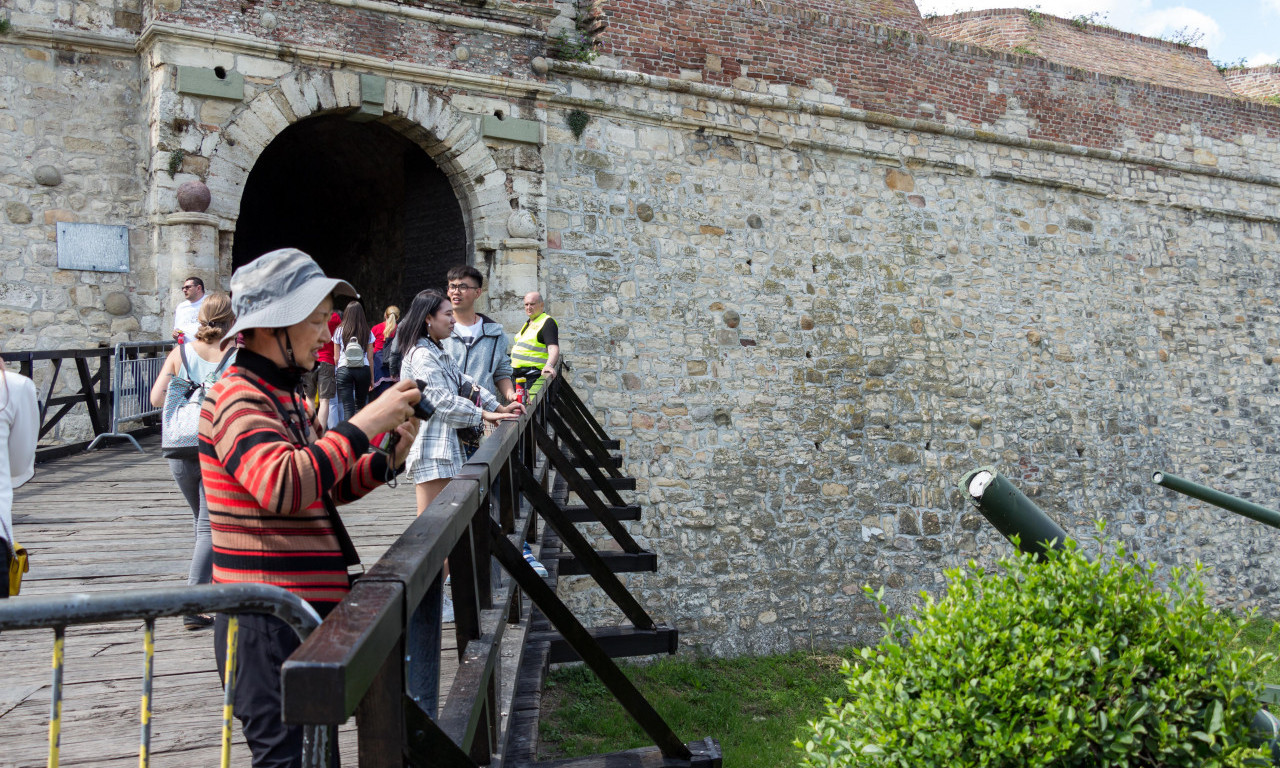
(264,479)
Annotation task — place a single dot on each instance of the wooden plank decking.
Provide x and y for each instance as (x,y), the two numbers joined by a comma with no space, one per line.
(111,520)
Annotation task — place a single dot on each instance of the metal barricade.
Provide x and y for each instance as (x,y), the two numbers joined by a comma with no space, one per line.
(59,612)
(136,367)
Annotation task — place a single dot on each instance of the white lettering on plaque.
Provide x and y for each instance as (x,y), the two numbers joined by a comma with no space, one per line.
(95,247)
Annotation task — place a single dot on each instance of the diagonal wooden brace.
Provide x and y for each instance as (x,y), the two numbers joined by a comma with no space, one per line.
(582,550)
(512,559)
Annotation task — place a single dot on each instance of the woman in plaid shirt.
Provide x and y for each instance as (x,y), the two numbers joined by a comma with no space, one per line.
(436,455)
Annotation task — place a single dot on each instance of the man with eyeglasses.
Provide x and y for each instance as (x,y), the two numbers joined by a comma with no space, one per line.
(478,343)
(186,317)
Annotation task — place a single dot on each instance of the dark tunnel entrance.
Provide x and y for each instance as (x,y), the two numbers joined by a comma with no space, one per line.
(370,206)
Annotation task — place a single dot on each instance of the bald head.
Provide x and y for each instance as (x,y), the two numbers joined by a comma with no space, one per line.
(533,303)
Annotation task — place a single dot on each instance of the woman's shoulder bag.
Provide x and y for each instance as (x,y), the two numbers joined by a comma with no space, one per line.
(180,422)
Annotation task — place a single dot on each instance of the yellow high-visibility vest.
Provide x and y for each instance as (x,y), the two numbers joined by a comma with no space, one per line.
(528,352)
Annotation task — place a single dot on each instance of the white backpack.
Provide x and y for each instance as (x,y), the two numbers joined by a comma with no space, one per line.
(354,353)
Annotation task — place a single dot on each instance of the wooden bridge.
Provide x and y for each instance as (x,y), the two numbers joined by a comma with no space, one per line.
(114,520)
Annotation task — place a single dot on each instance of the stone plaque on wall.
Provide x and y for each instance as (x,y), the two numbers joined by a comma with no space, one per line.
(95,247)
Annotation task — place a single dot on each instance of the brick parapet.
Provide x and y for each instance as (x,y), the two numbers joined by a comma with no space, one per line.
(1086,46)
(880,69)
(1256,82)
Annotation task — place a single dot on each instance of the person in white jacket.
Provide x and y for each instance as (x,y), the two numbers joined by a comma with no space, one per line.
(19,429)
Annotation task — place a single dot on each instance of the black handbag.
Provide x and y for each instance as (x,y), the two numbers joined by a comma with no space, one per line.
(469,437)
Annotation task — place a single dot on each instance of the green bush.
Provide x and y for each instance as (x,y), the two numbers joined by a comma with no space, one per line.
(1066,662)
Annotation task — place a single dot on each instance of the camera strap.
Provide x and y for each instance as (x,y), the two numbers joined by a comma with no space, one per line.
(348,547)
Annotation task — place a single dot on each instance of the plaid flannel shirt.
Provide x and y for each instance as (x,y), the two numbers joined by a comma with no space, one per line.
(432,365)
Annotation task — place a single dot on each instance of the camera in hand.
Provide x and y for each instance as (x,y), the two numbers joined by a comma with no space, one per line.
(423,409)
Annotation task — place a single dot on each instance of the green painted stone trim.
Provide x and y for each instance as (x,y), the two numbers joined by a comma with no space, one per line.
(198,81)
(512,129)
(373,95)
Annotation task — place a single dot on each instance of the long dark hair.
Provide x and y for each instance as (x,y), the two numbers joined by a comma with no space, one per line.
(354,325)
(414,325)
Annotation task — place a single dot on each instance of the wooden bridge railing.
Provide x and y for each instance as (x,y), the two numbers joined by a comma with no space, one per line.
(378,654)
(95,393)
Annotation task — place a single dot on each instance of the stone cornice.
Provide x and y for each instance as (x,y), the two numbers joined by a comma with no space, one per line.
(447,19)
(71,40)
(163,32)
(786,104)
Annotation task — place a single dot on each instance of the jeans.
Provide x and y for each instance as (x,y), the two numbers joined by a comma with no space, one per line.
(353,389)
(187,474)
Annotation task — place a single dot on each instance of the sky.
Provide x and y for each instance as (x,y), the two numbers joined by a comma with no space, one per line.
(1234,30)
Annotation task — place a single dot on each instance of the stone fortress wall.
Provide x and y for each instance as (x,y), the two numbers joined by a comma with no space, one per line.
(839,270)
(812,262)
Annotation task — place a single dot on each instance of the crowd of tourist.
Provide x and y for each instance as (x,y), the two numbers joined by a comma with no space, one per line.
(285,431)
(271,400)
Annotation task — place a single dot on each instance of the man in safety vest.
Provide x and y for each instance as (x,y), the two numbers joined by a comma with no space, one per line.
(537,346)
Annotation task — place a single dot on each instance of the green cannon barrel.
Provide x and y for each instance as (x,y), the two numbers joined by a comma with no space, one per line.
(1218,498)
(1012,513)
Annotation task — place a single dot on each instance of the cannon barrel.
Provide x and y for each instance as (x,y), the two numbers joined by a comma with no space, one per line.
(1012,513)
(1218,498)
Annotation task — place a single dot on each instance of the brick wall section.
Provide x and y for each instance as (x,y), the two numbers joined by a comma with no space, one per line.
(371,33)
(1086,46)
(1256,82)
(872,67)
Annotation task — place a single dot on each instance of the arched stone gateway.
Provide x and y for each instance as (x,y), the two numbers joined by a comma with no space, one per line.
(366,202)
(388,200)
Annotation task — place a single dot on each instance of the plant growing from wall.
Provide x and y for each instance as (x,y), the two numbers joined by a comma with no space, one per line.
(1093,18)
(575,46)
(5,26)
(1023,50)
(175,162)
(1230,66)
(1068,662)
(1188,36)
(1035,17)
(577,121)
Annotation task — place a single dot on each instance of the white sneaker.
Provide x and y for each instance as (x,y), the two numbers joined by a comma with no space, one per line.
(446,615)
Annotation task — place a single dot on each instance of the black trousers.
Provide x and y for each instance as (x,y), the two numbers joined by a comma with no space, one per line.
(265,643)
(353,389)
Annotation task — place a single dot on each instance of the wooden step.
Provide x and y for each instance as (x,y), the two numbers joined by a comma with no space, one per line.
(612,445)
(705,754)
(580,513)
(618,483)
(618,562)
(618,642)
(615,460)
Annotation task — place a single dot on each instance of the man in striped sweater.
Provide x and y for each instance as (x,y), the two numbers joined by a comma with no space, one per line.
(272,484)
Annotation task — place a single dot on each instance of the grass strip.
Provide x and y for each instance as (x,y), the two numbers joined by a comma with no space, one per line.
(755,706)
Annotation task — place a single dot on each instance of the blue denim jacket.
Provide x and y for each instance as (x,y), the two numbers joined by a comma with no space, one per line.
(488,360)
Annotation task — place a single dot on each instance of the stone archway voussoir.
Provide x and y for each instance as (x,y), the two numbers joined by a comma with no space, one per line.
(272,118)
(291,89)
(346,88)
(248,128)
(399,98)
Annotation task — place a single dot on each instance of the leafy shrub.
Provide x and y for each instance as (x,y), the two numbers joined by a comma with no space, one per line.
(1066,662)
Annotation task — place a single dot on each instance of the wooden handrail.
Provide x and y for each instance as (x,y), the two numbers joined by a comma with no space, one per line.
(355,663)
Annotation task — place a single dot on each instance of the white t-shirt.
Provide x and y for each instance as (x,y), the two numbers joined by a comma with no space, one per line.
(341,356)
(186,318)
(19,429)
(470,332)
